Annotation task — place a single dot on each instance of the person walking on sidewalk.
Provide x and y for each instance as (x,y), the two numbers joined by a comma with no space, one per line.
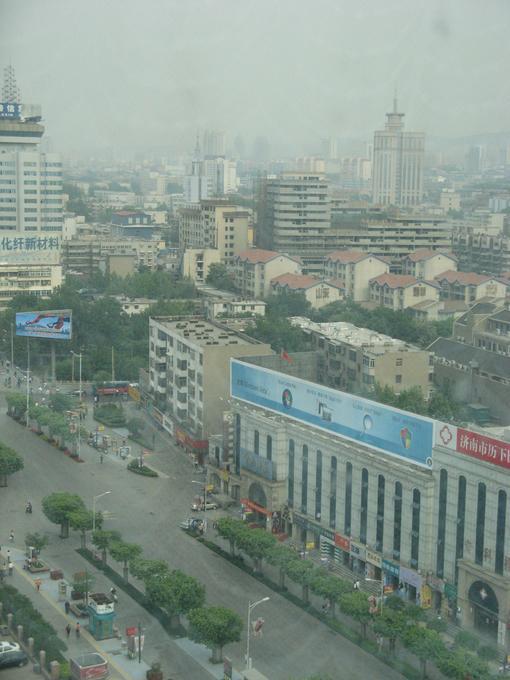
(67,606)
(10,567)
(38,584)
(77,630)
(68,630)
(11,536)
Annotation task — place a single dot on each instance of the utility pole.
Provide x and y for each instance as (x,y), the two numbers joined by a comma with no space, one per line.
(28,381)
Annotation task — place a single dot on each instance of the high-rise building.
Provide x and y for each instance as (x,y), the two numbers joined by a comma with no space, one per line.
(214,142)
(294,216)
(397,177)
(31,197)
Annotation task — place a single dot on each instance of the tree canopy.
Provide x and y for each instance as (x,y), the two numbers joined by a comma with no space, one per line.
(58,507)
(215,627)
(10,462)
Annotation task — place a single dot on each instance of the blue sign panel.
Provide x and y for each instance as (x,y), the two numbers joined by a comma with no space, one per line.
(54,324)
(374,425)
(10,110)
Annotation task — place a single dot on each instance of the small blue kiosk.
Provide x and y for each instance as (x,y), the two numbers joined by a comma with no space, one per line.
(101,610)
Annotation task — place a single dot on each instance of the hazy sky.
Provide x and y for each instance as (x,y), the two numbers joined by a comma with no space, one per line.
(120,72)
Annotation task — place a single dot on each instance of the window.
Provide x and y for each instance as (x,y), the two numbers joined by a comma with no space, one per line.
(269,447)
(441,523)
(415,528)
(348,499)
(397,520)
(398,379)
(500,532)
(256,442)
(480,523)
(290,489)
(379,530)
(364,506)
(332,492)
(304,480)
(398,362)
(318,485)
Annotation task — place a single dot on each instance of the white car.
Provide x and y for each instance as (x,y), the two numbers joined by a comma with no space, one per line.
(6,646)
(196,507)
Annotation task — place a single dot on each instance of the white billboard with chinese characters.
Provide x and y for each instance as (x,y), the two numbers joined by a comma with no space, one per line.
(29,247)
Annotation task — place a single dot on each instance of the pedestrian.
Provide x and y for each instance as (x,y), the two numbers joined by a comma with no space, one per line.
(356,585)
(38,584)
(10,566)
(11,536)
(101,457)
(77,630)
(68,630)
(67,606)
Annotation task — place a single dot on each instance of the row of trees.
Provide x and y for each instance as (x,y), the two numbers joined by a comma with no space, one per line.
(172,590)
(397,621)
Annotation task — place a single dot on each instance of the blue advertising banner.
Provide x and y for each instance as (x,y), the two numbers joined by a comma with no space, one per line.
(10,110)
(374,425)
(53,324)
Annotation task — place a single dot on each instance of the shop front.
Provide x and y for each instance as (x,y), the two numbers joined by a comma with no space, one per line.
(391,576)
(373,570)
(197,447)
(410,585)
(358,558)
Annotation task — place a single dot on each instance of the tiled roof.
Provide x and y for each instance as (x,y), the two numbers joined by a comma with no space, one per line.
(463,278)
(258,255)
(347,256)
(425,254)
(295,281)
(395,280)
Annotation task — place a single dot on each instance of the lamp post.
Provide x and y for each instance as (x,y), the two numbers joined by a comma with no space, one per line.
(79,417)
(94,499)
(251,607)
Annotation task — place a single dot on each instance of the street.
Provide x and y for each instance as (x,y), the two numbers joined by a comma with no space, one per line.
(148,511)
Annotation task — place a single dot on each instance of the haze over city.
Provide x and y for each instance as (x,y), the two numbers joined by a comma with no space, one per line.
(113,74)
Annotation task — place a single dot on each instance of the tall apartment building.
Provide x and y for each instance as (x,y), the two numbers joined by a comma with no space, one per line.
(354,359)
(31,197)
(215,224)
(397,176)
(189,365)
(482,253)
(294,217)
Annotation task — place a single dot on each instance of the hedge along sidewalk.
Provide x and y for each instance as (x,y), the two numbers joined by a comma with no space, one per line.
(406,669)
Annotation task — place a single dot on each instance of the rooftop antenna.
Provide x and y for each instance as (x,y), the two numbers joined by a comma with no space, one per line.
(395,103)
(10,91)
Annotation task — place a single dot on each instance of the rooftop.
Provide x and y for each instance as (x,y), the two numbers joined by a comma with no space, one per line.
(344,332)
(258,255)
(295,281)
(468,356)
(423,254)
(201,332)
(400,281)
(463,278)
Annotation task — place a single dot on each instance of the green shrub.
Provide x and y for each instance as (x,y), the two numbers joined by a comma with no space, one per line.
(111,415)
(134,466)
(438,625)
(466,639)
(488,653)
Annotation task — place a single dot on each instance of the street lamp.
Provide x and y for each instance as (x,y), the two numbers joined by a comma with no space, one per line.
(95,498)
(251,607)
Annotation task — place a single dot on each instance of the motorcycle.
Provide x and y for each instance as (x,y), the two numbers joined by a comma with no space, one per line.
(28,508)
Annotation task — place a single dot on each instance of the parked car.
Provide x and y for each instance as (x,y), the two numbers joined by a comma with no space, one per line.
(191,523)
(196,507)
(14,658)
(7,646)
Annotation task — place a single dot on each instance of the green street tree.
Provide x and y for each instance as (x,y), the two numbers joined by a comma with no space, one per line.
(460,664)
(391,624)
(102,540)
(10,462)
(125,553)
(425,644)
(16,404)
(83,582)
(355,605)
(215,627)
(301,571)
(82,520)
(256,543)
(219,277)
(58,507)
(231,530)
(135,426)
(36,540)
(329,586)
(146,569)
(281,556)
(176,592)
(61,402)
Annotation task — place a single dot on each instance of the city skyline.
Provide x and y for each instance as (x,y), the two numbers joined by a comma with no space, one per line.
(228,67)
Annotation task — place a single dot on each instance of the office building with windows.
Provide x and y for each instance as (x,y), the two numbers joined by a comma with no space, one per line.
(416,504)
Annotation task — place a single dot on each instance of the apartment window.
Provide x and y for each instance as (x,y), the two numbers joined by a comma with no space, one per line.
(441,523)
(398,362)
(379,531)
(290,489)
(269,447)
(364,506)
(352,355)
(318,485)
(332,492)
(304,480)
(348,499)
(397,520)
(256,442)
(480,523)
(415,528)
(500,532)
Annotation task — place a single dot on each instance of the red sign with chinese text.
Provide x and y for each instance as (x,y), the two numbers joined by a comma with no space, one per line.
(342,542)
(484,448)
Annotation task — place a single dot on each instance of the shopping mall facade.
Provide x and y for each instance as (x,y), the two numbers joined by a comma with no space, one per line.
(417,504)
